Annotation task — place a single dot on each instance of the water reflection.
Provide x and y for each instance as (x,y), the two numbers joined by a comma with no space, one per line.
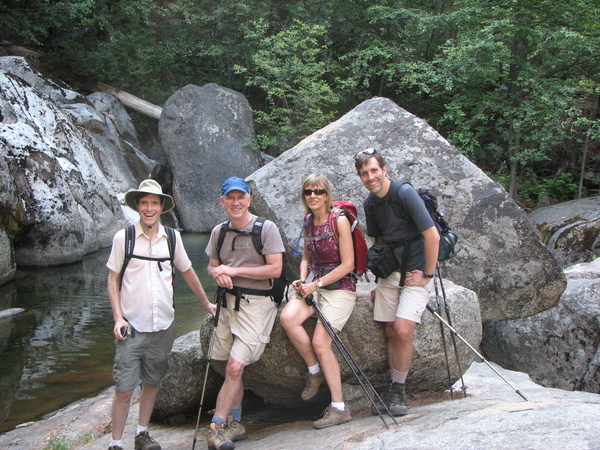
(61,348)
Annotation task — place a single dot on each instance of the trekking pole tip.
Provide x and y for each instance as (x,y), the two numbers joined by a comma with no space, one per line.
(521,394)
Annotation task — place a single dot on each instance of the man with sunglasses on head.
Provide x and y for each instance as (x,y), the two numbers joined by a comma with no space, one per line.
(401,298)
(247,312)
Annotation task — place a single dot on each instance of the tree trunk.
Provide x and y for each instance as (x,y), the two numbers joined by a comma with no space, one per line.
(132,102)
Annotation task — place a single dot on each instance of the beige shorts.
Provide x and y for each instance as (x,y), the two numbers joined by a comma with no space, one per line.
(392,301)
(337,306)
(244,334)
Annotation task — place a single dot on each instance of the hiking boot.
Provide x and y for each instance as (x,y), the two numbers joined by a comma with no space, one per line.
(216,439)
(234,431)
(398,402)
(332,416)
(143,441)
(385,398)
(115,447)
(312,385)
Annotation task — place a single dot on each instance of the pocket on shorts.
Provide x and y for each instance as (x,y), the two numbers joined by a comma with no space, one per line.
(264,338)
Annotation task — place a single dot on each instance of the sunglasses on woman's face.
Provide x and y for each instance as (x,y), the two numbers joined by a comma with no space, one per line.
(309,192)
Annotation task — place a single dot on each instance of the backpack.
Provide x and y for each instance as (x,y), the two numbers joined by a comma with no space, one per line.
(448,238)
(348,209)
(279,285)
(130,245)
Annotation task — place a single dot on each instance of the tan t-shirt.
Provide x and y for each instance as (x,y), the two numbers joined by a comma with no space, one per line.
(244,253)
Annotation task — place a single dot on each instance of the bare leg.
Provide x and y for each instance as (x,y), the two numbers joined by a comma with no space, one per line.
(147,401)
(232,392)
(329,362)
(292,317)
(403,344)
(120,411)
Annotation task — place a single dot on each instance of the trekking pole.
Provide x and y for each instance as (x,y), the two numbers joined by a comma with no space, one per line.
(439,310)
(349,358)
(208,356)
(441,319)
(447,308)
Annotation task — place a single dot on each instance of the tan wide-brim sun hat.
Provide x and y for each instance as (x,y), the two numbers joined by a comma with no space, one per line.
(149,187)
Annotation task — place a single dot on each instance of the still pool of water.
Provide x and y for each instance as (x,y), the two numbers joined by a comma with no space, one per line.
(61,348)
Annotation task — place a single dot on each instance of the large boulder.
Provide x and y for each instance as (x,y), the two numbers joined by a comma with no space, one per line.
(66,164)
(559,347)
(570,230)
(278,377)
(181,389)
(208,135)
(500,255)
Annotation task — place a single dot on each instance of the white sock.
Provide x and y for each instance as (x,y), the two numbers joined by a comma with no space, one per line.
(314,369)
(140,429)
(340,406)
(399,377)
(118,443)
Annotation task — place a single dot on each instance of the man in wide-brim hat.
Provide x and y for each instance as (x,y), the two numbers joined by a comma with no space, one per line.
(140,290)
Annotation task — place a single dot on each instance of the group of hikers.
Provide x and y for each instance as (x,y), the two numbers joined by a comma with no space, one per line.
(141,294)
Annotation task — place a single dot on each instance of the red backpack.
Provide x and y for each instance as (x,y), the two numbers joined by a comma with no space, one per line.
(348,209)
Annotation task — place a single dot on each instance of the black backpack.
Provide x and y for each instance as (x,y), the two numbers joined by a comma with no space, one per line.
(448,238)
(279,285)
(130,245)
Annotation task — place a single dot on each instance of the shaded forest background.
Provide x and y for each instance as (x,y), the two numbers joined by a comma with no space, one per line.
(514,85)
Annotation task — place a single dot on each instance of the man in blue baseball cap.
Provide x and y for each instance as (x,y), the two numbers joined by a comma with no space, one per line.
(244,275)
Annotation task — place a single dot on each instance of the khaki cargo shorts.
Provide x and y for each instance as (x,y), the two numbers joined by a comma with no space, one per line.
(244,334)
(392,301)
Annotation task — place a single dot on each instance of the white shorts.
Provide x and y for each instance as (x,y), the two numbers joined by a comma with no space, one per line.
(393,301)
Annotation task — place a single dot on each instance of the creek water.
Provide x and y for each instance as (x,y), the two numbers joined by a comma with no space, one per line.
(61,348)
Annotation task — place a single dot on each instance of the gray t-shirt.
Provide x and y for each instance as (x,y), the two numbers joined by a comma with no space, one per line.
(244,254)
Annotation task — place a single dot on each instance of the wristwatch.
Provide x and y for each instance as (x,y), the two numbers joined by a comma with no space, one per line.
(427,275)
(319,284)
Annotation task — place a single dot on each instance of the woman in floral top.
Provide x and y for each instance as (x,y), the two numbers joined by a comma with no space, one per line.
(325,276)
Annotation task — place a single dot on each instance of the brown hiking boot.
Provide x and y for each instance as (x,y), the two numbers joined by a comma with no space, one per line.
(143,441)
(216,439)
(312,385)
(332,416)
(398,401)
(234,431)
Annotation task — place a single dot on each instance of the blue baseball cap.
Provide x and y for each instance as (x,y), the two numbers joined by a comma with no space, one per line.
(234,184)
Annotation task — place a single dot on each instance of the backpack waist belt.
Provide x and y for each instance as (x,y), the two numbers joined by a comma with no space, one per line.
(405,256)
(238,292)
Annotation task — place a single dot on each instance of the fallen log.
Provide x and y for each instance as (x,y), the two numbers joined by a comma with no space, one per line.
(131,101)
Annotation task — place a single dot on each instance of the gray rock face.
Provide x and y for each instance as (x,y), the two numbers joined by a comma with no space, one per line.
(570,230)
(278,377)
(208,135)
(63,166)
(559,347)
(181,389)
(500,255)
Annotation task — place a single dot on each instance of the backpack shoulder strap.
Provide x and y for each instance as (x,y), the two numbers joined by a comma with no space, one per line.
(334,215)
(171,242)
(394,197)
(129,246)
(224,228)
(257,234)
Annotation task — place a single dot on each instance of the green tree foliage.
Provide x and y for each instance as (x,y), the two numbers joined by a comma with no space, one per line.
(290,68)
(513,84)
